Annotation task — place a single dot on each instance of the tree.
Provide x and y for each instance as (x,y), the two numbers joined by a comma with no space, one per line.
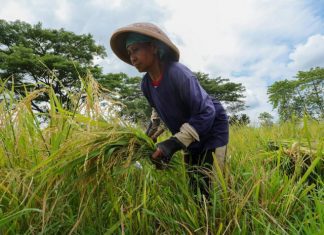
(127,90)
(300,96)
(229,92)
(241,120)
(310,88)
(33,57)
(265,119)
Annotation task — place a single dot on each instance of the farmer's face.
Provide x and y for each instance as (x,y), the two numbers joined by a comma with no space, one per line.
(142,56)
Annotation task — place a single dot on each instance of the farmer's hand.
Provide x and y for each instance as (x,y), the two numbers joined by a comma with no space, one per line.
(164,152)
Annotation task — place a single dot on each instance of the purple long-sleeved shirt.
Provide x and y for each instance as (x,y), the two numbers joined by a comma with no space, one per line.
(180,99)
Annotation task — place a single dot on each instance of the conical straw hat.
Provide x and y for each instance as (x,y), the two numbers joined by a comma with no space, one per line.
(118,39)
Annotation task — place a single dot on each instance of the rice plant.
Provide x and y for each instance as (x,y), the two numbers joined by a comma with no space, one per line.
(87,171)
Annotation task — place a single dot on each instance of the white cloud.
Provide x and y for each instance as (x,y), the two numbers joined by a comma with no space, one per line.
(106,4)
(231,34)
(63,10)
(271,63)
(13,10)
(308,55)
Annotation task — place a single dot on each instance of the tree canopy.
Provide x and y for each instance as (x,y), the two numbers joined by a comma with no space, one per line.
(223,90)
(265,119)
(127,90)
(239,120)
(32,57)
(304,95)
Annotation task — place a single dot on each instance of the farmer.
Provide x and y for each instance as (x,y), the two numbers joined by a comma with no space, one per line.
(198,122)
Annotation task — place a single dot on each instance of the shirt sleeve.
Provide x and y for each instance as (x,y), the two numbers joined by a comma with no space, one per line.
(196,101)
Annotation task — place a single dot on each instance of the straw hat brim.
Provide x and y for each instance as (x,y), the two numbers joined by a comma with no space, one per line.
(118,39)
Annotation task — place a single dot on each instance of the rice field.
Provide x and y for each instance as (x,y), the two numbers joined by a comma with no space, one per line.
(84,173)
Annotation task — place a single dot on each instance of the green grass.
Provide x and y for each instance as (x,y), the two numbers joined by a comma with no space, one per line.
(77,176)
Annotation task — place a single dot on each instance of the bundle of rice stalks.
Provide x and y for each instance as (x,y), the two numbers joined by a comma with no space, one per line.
(80,140)
(85,152)
(298,157)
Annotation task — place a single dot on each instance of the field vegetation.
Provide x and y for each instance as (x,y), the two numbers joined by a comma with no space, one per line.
(86,172)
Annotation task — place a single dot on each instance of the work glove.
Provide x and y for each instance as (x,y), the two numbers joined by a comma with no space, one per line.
(164,152)
(152,129)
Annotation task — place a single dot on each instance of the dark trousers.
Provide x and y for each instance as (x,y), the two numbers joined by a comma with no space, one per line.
(198,167)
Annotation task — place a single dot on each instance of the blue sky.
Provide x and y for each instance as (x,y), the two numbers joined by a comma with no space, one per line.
(253,42)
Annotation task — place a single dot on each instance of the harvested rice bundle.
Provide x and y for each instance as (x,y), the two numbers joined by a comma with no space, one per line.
(87,151)
(299,156)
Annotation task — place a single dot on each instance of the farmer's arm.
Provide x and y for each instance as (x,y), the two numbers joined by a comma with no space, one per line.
(199,105)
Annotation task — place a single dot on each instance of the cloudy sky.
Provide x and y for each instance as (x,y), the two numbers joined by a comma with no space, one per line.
(253,42)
